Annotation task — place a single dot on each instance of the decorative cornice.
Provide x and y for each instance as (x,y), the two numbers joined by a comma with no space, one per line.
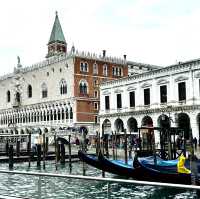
(180,67)
(181,78)
(151,111)
(162,81)
(118,91)
(145,85)
(106,93)
(131,88)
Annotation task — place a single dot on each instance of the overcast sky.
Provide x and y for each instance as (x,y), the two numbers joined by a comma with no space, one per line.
(159,32)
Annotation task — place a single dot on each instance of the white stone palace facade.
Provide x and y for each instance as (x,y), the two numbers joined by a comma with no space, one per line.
(61,92)
(169,96)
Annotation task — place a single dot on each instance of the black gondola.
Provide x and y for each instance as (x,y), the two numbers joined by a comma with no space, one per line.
(167,174)
(90,159)
(119,167)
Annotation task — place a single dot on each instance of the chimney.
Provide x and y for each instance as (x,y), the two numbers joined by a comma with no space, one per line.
(124,57)
(104,53)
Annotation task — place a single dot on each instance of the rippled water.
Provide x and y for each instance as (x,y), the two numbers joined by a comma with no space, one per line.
(51,187)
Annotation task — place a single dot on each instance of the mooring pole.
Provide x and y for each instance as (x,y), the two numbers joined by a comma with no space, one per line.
(10,155)
(70,153)
(97,143)
(38,155)
(7,147)
(102,149)
(113,146)
(18,147)
(44,150)
(84,150)
(62,152)
(193,163)
(47,144)
(125,147)
(29,149)
(56,152)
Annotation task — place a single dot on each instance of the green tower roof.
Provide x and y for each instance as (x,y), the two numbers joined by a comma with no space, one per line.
(57,33)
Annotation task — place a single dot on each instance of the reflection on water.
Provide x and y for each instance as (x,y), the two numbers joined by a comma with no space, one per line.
(51,187)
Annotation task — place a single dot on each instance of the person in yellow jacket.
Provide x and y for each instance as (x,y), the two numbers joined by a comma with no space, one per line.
(181,167)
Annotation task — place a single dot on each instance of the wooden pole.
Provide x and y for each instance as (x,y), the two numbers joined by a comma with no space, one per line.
(62,152)
(169,144)
(29,149)
(10,155)
(7,147)
(18,147)
(113,146)
(39,155)
(193,163)
(84,150)
(47,144)
(56,155)
(70,154)
(125,147)
(44,150)
(102,150)
(97,143)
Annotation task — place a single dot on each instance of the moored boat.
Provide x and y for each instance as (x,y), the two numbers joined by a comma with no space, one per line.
(168,173)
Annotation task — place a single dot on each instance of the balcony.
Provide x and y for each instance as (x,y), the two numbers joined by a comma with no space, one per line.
(16,104)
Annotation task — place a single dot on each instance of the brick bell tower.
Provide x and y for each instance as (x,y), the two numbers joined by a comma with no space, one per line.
(57,44)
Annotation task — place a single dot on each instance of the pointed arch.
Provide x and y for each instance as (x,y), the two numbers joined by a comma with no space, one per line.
(44,90)
(83,87)
(63,87)
(8,96)
(29,91)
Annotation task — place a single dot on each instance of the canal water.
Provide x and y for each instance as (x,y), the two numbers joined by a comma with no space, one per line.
(53,188)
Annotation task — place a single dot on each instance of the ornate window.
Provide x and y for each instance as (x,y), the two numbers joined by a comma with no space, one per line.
(84,67)
(66,113)
(8,96)
(119,100)
(181,91)
(29,89)
(117,71)
(71,113)
(105,70)
(132,98)
(63,87)
(95,68)
(83,86)
(163,94)
(44,91)
(147,96)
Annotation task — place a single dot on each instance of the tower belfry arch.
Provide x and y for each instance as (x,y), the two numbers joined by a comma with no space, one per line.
(57,44)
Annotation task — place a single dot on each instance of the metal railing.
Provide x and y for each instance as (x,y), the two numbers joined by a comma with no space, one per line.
(101,179)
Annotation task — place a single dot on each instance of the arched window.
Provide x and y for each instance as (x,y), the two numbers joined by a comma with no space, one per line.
(54,114)
(51,115)
(44,90)
(71,113)
(83,87)
(29,91)
(66,110)
(105,70)
(84,67)
(18,97)
(95,68)
(63,87)
(59,114)
(8,96)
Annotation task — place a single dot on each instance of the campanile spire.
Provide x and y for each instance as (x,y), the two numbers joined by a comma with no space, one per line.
(57,44)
